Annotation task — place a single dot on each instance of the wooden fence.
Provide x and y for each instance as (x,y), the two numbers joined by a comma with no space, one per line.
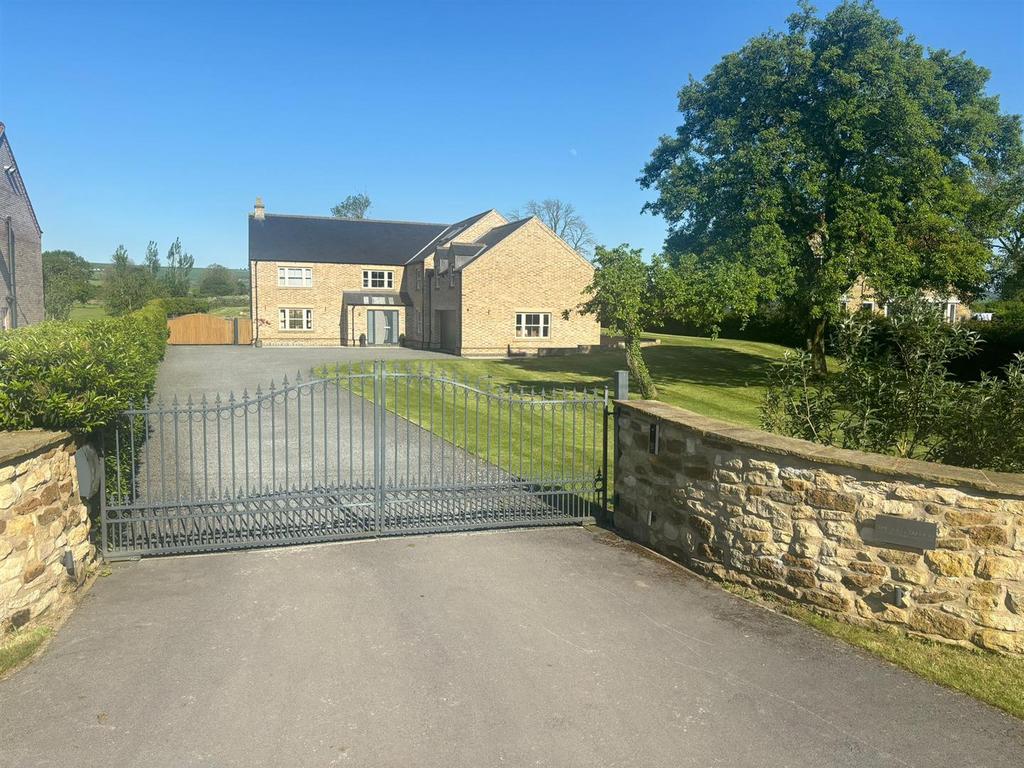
(209,329)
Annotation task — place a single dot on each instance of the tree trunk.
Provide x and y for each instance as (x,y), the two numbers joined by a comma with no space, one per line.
(638,369)
(816,345)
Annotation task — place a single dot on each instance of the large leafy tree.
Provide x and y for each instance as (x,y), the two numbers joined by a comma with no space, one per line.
(352,207)
(835,149)
(624,297)
(218,280)
(66,280)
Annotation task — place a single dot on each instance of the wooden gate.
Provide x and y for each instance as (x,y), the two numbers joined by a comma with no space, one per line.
(209,329)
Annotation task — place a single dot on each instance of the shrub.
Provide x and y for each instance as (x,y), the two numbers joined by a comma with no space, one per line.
(79,376)
(894,394)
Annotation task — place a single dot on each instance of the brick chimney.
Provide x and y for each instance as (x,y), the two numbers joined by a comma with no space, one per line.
(258,211)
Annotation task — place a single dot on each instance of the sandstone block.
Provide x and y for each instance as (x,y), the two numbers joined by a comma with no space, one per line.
(899,557)
(931,622)
(913,492)
(897,508)
(801,578)
(939,596)
(832,500)
(828,574)
(861,582)
(987,535)
(996,619)
(769,567)
(9,494)
(910,574)
(997,640)
(1015,601)
(967,517)
(950,563)
(996,567)
(828,600)
(32,571)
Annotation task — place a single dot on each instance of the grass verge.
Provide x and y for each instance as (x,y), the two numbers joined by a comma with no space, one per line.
(989,677)
(20,646)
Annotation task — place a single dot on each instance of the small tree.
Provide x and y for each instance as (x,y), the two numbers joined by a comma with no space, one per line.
(217,280)
(352,207)
(623,300)
(66,280)
(177,274)
(127,286)
(562,218)
(152,259)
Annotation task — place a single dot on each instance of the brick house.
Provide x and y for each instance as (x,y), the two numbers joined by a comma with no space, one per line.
(483,286)
(21,260)
(861,297)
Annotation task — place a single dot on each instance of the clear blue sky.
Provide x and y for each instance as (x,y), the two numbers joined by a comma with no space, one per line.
(141,120)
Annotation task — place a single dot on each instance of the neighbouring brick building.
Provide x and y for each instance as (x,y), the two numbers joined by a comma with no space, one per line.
(483,286)
(863,298)
(21,260)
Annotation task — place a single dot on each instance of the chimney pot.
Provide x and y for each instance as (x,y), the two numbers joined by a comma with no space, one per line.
(258,211)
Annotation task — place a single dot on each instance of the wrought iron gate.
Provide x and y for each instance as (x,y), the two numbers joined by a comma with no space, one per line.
(363,452)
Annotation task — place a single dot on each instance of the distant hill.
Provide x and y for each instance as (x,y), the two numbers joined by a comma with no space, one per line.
(98,268)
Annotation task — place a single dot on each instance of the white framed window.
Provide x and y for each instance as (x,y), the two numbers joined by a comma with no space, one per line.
(378,278)
(533,325)
(293,319)
(867,306)
(294,277)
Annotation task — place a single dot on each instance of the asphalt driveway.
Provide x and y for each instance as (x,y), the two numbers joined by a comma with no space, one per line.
(198,370)
(555,647)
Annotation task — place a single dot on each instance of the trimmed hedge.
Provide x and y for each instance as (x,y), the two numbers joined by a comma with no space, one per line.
(185,305)
(1001,341)
(771,325)
(79,376)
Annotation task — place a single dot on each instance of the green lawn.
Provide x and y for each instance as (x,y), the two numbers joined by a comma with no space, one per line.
(989,677)
(15,648)
(723,378)
(529,436)
(93,310)
(231,311)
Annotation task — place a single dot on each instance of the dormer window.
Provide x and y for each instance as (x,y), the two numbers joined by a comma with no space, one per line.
(378,278)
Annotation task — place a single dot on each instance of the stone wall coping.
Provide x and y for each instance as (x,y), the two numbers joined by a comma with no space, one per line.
(1009,484)
(15,446)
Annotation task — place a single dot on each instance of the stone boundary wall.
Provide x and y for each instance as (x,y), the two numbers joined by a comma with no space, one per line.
(798,519)
(42,517)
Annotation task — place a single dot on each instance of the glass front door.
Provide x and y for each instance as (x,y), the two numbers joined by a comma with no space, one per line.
(382,326)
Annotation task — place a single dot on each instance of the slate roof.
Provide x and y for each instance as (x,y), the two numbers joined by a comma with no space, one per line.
(330,240)
(326,239)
